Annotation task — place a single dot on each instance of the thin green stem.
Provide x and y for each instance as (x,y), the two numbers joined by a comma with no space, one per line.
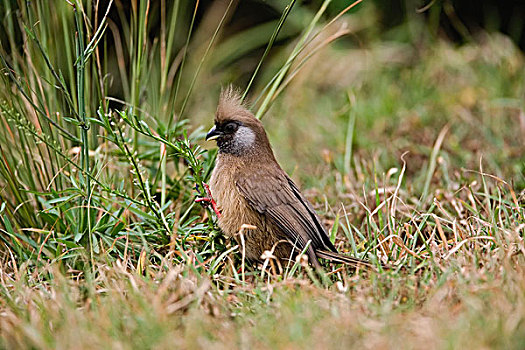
(212,40)
(275,33)
(280,76)
(84,127)
(177,87)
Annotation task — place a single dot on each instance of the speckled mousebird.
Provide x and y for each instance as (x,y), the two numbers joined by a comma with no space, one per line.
(250,188)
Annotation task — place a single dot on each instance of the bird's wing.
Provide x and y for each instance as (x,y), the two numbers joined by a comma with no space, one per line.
(314,217)
(279,199)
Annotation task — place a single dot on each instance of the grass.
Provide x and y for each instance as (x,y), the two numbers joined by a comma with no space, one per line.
(412,153)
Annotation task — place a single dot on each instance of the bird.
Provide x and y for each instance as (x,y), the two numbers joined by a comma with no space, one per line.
(252,191)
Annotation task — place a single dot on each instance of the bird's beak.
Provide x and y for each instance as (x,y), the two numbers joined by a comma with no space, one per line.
(213,134)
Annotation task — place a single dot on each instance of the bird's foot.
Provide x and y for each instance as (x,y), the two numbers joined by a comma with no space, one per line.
(208,200)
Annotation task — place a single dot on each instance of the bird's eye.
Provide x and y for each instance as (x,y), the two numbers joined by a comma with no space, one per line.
(230,127)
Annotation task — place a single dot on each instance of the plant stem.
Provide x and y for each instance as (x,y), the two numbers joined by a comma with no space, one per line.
(80,65)
(270,95)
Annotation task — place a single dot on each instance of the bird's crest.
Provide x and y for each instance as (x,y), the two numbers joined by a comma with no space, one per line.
(230,105)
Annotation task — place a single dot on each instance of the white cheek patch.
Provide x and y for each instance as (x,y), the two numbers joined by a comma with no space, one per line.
(244,137)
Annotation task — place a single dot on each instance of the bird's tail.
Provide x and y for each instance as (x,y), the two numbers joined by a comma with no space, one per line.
(347,260)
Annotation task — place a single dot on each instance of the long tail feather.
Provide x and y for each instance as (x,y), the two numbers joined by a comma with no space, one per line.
(343,259)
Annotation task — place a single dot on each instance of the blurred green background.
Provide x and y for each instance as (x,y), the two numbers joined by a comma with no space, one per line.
(403,122)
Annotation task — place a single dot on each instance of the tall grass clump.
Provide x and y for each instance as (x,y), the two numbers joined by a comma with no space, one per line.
(78,174)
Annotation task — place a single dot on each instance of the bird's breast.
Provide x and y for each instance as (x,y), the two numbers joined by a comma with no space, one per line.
(236,212)
(234,209)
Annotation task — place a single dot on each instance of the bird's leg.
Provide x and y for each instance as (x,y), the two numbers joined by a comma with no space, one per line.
(208,200)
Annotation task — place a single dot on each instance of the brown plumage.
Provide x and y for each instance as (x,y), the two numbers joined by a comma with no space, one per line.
(250,188)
